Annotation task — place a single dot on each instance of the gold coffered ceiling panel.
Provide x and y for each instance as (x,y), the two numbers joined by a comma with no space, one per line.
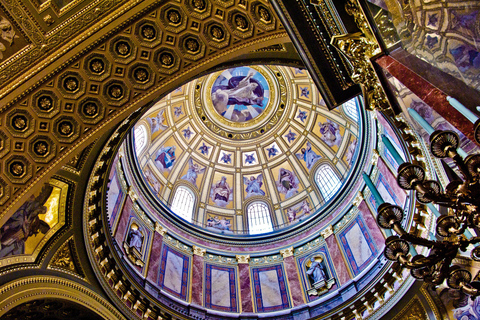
(128,63)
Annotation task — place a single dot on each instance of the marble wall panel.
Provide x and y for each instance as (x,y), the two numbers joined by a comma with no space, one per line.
(173,273)
(155,255)
(358,245)
(114,198)
(122,225)
(245,287)
(270,289)
(220,288)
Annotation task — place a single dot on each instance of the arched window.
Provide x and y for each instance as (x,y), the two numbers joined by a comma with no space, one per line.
(350,109)
(328,182)
(183,203)
(259,220)
(140,135)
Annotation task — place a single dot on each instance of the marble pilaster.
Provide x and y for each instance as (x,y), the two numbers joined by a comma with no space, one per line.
(245,284)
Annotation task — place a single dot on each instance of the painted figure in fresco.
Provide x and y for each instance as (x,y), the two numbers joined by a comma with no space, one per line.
(24,223)
(250,158)
(187,133)
(351,151)
(221,224)
(272,151)
(469,312)
(315,271)
(241,90)
(135,238)
(193,171)
(292,214)
(152,180)
(330,133)
(290,136)
(465,57)
(287,183)
(177,111)
(306,207)
(221,193)
(308,155)
(156,123)
(302,115)
(204,149)
(254,186)
(166,158)
(226,157)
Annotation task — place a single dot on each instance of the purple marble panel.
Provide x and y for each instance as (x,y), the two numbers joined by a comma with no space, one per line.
(293,281)
(197,280)
(339,262)
(123,222)
(392,181)
(245,287)
(155,255)
(371,223)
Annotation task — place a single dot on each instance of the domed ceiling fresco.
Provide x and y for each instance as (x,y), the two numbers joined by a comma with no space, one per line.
(240,192)
(246,135)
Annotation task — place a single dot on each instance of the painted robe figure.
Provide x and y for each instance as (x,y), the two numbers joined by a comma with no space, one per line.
(193,171)
(254,186)
(221,193)
(308,155)
(287,183)
(24,223)
(166,157)
(241,90)
(330,133)
(156,122)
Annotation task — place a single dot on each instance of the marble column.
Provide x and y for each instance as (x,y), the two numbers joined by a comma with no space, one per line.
(296,291)
(336,254)
(197,275)
(155,253)
(245,283)
(429,93)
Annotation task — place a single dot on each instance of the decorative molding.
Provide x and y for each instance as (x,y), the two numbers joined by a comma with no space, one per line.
(413,311)
(358,199)
(327,232)
(160,229)
(242,258)
(65,259)
(199,251)
(288,252)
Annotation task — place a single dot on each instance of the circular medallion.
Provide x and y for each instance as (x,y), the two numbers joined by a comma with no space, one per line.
(240,94)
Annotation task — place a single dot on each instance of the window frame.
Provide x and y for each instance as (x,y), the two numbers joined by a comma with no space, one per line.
(267,216)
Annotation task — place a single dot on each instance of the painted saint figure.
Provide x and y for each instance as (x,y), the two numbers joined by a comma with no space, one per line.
(156,122)
(330,133)
(25,222)
(193,171)
(166,158)
(254,186)
(287,183)
(308,155)
(221,193)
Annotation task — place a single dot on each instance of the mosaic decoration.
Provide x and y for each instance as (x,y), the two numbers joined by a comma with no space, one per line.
(302,115)
(358,245)
(219,295)
(226,157)
(330,131)
(240,94)
(273,150)
(173,272)
(157,122)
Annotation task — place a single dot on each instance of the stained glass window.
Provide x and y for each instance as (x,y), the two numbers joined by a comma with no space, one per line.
(259,220)
(183,203)
(328,182)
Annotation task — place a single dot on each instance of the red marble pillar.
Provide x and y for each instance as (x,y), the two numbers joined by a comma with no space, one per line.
(341,269)
(197,275)
(245,286)
(296,291)
(426,91)
(155,253)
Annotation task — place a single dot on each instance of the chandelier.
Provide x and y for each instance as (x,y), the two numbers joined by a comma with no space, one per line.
(462,197)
